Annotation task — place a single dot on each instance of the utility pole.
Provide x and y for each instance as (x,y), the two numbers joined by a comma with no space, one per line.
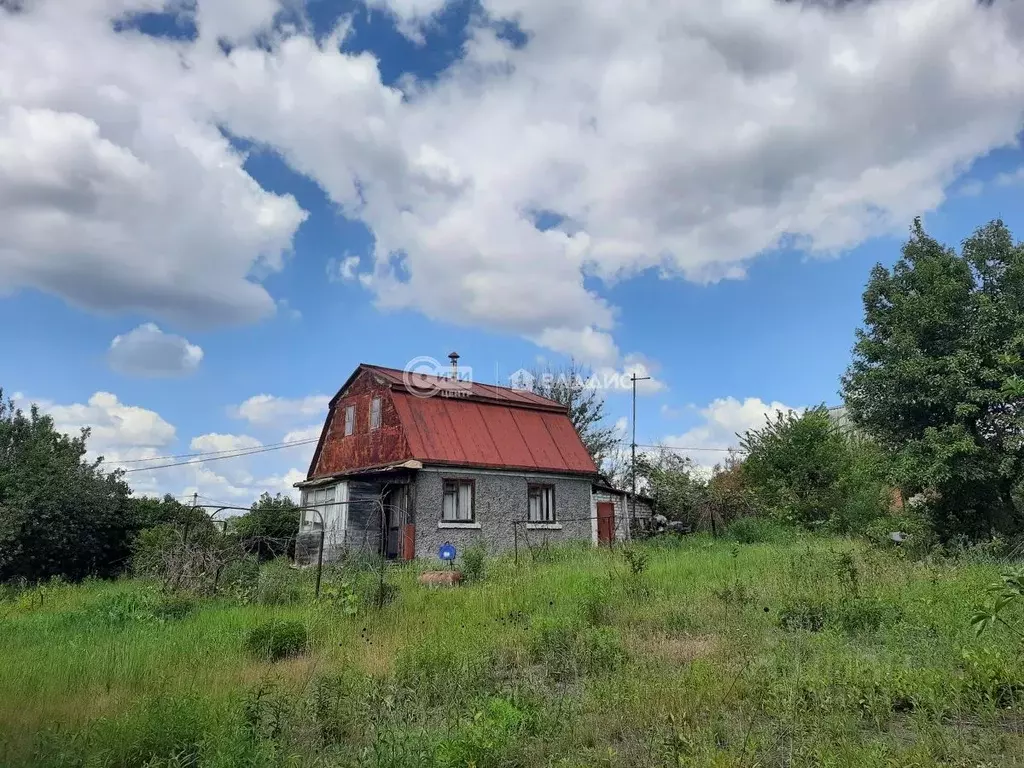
(632,501)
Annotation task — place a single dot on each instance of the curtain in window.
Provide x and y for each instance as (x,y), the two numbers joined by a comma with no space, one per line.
(465,501)
(450,500)
(330,511)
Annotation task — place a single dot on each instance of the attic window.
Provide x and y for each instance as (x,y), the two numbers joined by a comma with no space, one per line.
(375,414)
(350,419)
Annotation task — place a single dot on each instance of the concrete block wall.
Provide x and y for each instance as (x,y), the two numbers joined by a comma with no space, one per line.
(501,498)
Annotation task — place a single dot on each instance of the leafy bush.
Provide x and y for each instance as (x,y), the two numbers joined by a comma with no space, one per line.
(636,559)
(474,563)
(486,740)
(149,550)
(240,579)
(803,469)
(269,528)
(60,513)
(276,639)
(342,596)
(914,522)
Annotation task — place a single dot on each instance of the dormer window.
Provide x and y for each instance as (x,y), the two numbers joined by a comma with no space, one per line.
(375,414)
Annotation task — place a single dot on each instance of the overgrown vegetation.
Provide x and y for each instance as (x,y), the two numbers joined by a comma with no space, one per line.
(938,378)
(803,469)
(802,652)
(772,643)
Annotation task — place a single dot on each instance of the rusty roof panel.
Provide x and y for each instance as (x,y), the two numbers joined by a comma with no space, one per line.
(472,433)
(493,427)
(475,390)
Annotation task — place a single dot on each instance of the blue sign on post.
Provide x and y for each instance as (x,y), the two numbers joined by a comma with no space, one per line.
(447,552)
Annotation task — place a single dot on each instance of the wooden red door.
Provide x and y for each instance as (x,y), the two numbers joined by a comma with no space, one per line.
(605,522)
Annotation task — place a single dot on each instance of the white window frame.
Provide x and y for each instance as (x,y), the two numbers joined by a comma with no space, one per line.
(545,510)
(350,419)
(374,414)
(331,501)
(460,515)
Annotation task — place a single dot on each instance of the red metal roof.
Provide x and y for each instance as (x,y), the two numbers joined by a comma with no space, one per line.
(467,432)
(483,426)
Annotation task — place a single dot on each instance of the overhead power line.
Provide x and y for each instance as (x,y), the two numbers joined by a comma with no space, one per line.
(684,448)
(205,458)
(199,454)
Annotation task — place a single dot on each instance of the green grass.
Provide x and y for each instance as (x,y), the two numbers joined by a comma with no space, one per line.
(813,652)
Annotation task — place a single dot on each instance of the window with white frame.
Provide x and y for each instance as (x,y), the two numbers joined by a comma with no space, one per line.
(328,507)
(374,414)
(350,419)
(541,503)
(458,501)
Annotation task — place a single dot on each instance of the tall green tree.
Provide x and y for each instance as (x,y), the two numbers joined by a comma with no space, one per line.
(571,386)
(60,515)
(269,528)
(938,376)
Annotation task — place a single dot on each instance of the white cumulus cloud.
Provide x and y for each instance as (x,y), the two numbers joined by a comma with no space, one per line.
(269,410)
(511,191)
(721,421)
(148,351)
(116,192)
(345,270)
(117,431)
(218,443)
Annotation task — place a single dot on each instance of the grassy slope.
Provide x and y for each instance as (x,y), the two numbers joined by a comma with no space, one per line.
(575,662)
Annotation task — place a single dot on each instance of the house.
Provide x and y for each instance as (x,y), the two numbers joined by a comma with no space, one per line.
(407,462)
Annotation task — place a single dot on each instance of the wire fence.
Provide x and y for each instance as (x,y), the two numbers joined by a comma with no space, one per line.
(200,557)
(194,555)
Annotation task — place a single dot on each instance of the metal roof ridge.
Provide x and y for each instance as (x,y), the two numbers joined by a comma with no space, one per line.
(524,397)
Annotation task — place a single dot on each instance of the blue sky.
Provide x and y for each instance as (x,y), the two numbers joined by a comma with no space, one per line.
(353,182)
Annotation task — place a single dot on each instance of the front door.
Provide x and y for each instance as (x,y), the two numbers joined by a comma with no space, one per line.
(394,518)
(605,522)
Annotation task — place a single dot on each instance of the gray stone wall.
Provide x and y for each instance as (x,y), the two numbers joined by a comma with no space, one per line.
(501,498)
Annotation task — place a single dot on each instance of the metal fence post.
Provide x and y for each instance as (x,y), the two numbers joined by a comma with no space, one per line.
(515,539)
(320,560)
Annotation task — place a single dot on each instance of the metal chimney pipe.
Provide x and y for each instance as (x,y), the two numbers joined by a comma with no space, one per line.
(454,357)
